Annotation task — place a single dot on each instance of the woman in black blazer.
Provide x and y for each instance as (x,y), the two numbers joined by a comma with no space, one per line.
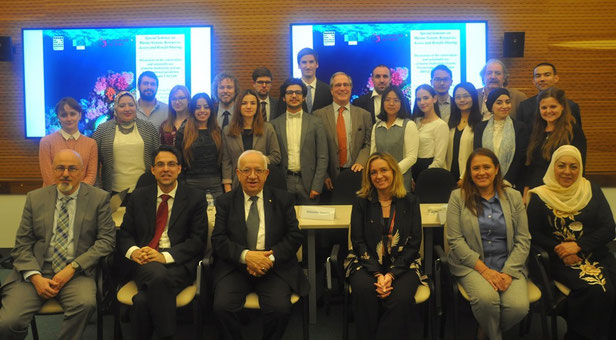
(383,267)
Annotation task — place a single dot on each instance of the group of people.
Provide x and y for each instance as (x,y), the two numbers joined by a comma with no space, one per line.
(503,150)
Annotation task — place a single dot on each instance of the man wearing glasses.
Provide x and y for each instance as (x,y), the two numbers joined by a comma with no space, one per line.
(441,79)
(162,239)
(148,108)
(262,82)
(255,240)
(64,230)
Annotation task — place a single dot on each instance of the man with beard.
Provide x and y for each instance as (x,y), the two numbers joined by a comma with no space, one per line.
(262,82)
(371,102)
(302,145)
(441,79)
(65,229)
(494,75)
(224,90)
(148,108)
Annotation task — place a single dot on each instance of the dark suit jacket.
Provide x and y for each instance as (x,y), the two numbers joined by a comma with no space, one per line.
(187,225)
(322,97)
(93,230)
(282,236)
(274,109)
(527,112)
(516,170)
(366,102)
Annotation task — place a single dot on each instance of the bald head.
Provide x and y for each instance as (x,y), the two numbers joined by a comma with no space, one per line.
(68,170)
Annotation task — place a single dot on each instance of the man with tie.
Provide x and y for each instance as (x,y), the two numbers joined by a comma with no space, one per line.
(65,229)
(318,94)
(303,146)
(347,128)
(255,240)
(224,90)
(262,82)
(162,238)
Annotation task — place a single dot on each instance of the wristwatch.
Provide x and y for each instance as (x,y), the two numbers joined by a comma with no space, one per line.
(76,266)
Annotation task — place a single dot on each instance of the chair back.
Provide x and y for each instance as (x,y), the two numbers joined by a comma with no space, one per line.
(345,186)
(276,178)
(434,186)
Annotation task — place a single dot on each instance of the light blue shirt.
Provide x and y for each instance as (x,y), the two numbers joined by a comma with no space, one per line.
(493,229)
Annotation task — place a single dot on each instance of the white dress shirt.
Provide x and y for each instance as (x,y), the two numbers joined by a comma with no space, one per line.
(314,88)
(68,136)
(261,233)
(410,146)
(294,136)
(377,102)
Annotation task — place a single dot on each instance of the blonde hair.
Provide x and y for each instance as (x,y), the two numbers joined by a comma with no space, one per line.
(397,187)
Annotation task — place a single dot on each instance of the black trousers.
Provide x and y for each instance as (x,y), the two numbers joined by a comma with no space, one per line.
(274,298)
(388,318)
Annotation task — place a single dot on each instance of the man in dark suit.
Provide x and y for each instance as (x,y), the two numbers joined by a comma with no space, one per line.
(162,237)
(262,82)
(255,240)
(371,102)
(544,76)
(303,146)
(347,128)
(65,228)
(318,95)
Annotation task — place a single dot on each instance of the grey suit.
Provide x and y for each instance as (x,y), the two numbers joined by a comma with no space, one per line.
(232,148)
(313,150)
(93,237)
(361,126)
(495,311)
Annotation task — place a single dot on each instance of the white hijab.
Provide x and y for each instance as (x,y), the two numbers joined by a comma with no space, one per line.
(566,200)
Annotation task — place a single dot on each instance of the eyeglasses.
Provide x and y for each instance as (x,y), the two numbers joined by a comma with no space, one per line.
(71,169)
(248,172)
(178,99)
(291,92)
(161,165)
(263,82)
(442,80)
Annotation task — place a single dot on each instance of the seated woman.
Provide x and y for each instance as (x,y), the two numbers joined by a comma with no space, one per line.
(433,131)
(200,141)
(553,127)
(125,145)
(571,219)
(463,121)
(393,126)
(386,236)
(488,237)
(179,96)
(247,131)
(68,137)
(506,137)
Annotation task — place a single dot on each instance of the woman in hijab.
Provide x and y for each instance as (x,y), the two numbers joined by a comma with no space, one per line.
(571,219)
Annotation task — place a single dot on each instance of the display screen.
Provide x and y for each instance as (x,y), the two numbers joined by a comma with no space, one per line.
(93,64)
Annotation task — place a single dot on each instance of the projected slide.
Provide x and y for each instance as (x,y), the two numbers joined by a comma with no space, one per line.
(92,65)
(411,50)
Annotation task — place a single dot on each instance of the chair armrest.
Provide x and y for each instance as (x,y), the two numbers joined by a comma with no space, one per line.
(539,271)
(334,265)
(441,268)
(204,272)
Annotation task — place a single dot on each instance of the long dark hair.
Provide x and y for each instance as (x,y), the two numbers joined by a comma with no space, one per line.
(417,113)
(191,128)
(470,192)
(402,113)
(474,116)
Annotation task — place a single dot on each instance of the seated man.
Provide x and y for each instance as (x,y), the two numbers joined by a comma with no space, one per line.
(253,255)
(65,228)
(163,235)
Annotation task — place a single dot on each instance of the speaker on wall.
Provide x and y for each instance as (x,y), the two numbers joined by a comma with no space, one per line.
(513,45)
(6,49)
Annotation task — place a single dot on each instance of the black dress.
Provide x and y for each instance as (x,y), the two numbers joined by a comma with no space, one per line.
(591,303)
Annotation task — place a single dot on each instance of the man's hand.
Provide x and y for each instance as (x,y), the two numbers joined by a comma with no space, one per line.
(153,255)
(63,276)
(357,167)
(258,262)
(138,256)
(328,184)
(567,248)
(314,194)
(45,287)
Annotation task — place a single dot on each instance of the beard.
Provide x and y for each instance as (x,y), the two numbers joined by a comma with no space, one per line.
(147,97)
(65,187)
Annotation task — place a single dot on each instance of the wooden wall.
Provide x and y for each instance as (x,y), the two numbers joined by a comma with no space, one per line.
(579,37)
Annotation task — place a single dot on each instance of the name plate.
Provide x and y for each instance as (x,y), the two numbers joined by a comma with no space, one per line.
(317,213)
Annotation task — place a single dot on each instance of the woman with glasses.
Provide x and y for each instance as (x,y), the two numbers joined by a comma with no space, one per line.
(463,121)
(200,142)
(246,131)
(125,145)
(179,96)
(395,133)
(69,114)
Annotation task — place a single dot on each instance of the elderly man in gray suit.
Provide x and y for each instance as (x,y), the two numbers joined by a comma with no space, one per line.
(65,228)
(347,128)
(303,146)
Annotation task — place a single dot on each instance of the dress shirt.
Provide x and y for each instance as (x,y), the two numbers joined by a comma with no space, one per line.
(294,136)
(261,233)
(493,231)
(219,115)
(68,136)
(314,88)
(433,141)
(164,242)
(444,108)
(377,102)
(71,207)
(347,125)
(159,114)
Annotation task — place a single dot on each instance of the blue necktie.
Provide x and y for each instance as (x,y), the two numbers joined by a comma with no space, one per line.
(252,224)
(309,98)
(60,251)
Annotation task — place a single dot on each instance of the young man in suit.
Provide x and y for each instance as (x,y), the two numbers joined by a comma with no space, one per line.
(318,95)
(347,128)
(224,91)
(262,82)
(65,229)
(162,237)
(255,240)
(303,146)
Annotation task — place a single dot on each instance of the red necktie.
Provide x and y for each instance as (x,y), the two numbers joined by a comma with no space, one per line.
(342,138)
(161,221)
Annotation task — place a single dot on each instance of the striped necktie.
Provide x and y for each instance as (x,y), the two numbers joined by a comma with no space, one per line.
(59,257)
